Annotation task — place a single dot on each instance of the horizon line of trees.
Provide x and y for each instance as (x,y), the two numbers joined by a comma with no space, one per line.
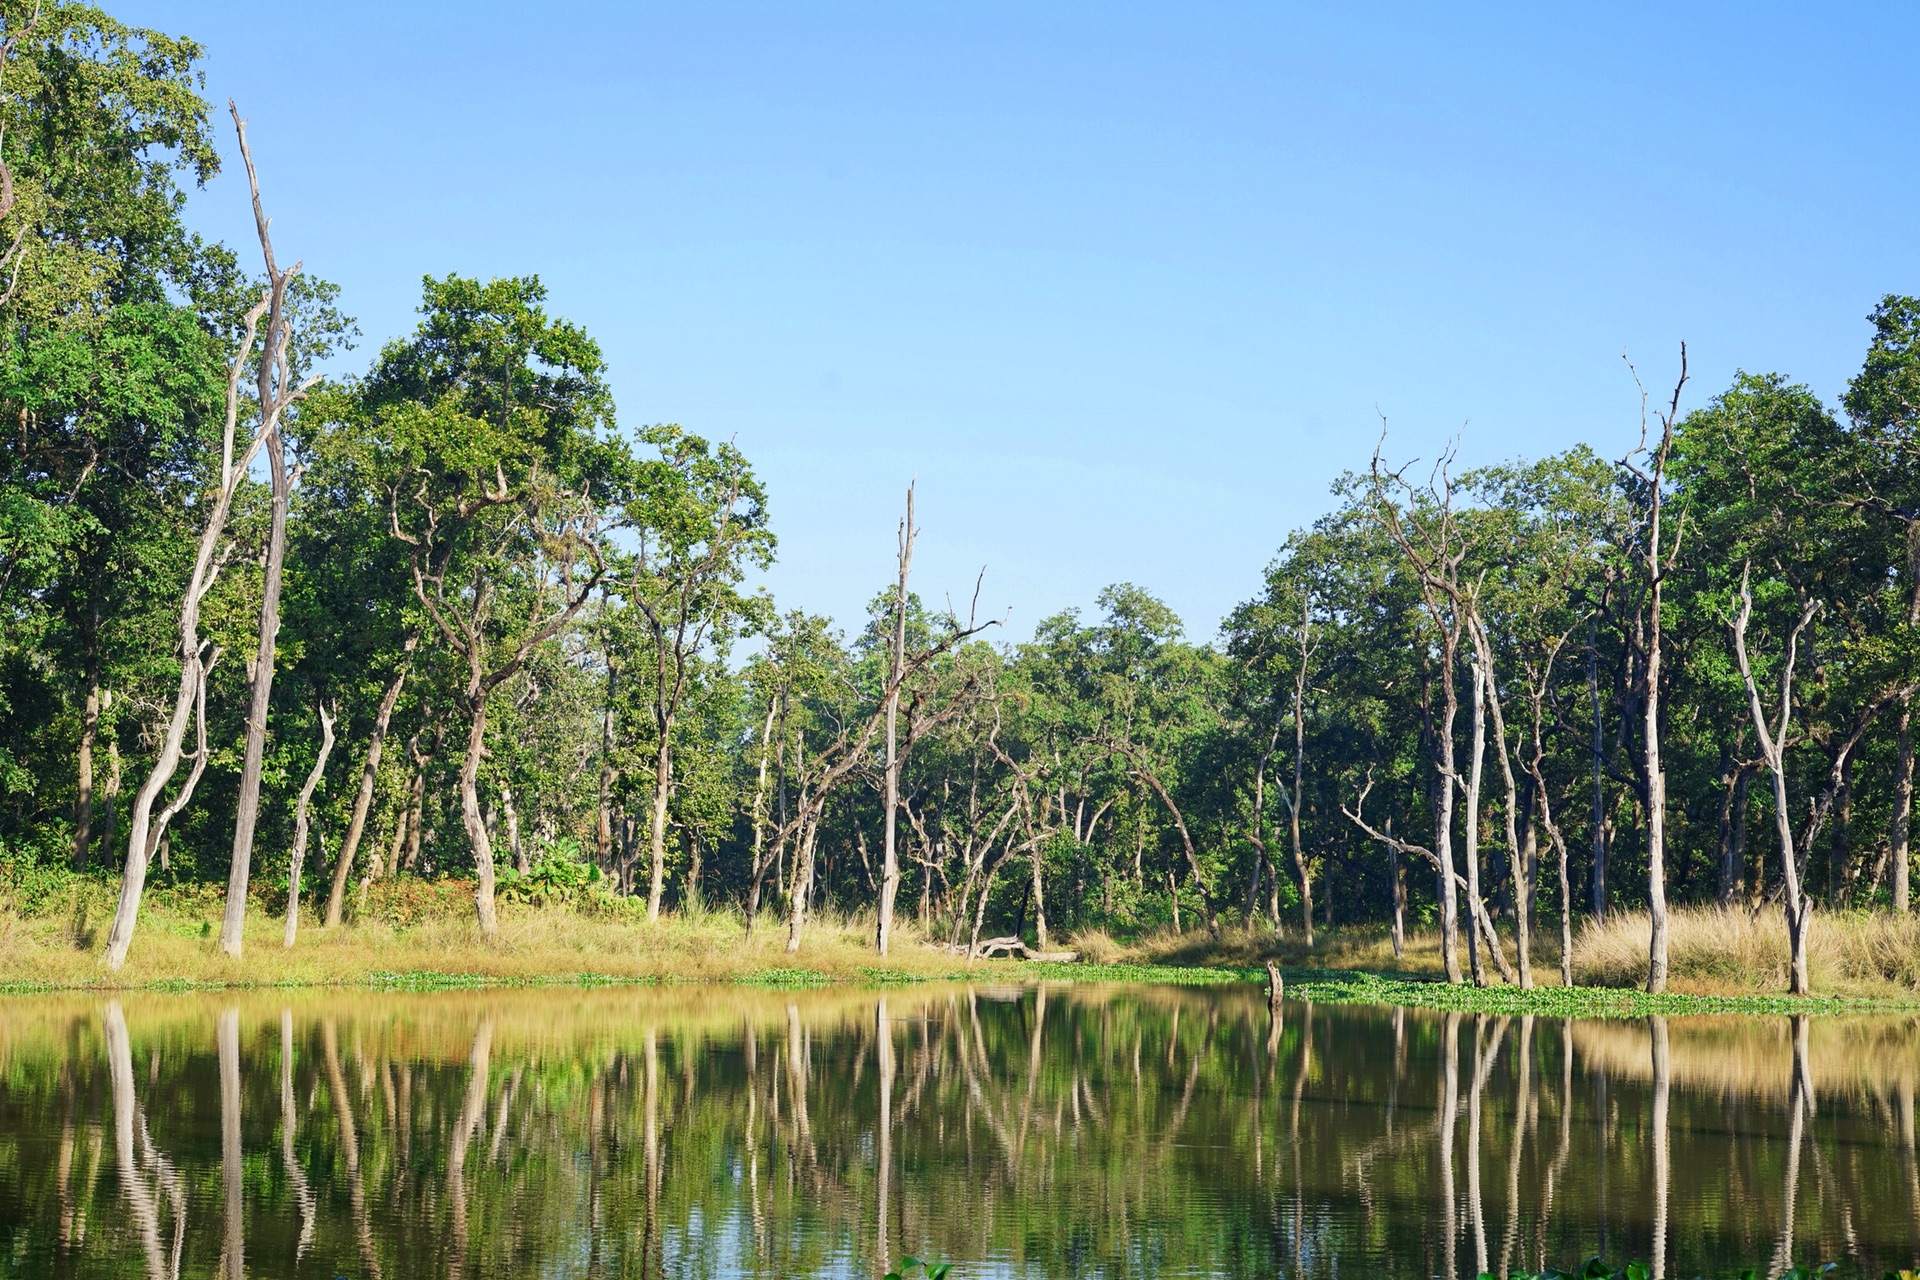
(445,618)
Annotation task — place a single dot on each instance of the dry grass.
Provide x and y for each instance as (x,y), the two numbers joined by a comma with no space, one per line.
(1368,948)
(536,944)
(1711,952)
(1715,951)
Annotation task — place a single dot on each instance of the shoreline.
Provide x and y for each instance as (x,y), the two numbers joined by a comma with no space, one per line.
(1302,986)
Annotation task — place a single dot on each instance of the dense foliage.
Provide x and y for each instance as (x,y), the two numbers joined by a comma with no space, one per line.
(1496,700)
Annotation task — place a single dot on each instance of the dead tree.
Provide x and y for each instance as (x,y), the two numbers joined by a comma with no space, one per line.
(1447,873)
(363,798)
(299,854)
(209,557)
(1656,563)
(896,661)
(1435,548)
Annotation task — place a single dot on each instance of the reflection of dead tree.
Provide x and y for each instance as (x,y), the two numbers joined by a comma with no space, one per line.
(1523,1115)
(883,1048)
(1484,1054)
(302,1189)
(349,1147)
(233,1262)
(1449,1113)
(652,1149)
(138,1171)
(473,1114)
(1662,1143)
(1800,1106)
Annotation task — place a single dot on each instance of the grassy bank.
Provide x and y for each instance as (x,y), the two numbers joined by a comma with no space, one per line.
(1711,952)
(421,935)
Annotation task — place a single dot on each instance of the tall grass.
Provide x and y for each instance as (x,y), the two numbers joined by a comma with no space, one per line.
(426,933)
(1715,950)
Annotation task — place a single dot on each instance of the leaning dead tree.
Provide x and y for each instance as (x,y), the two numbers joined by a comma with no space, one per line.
(144,832)
(1452,878)
(274,393)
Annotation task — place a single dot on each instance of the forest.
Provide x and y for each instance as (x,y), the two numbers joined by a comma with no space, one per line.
(448,620)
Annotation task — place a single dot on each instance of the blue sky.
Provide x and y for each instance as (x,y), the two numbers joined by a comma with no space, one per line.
(1122,285)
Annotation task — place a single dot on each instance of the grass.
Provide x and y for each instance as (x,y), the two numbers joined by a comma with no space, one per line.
(418,935)
(1711,953)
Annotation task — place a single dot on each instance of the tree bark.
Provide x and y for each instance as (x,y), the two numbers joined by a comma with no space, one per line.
(657,821)
(89,734)
(470,818)
(1471,817)
(300,826)
(1900,852)
(1599,781)
(233,923)
(363,799)
(890,854)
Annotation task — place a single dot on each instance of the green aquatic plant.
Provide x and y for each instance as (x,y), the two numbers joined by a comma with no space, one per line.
(934,1270)
(1598,1269)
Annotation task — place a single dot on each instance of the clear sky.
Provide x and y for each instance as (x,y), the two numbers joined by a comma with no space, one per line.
(1122,285)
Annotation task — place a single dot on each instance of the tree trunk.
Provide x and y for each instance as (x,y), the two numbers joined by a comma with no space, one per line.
(1471,820)
(890,854)
(1399,874)
(657,823)
(802,886)
(1039,892)
(470,816)
(300,827)
(1599,782)
(233,924)
(89,735)
(363,799)
(514,843)
(1899,853)
(1443,822)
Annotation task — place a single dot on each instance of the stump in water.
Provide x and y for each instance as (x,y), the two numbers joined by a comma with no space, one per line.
(1276,989)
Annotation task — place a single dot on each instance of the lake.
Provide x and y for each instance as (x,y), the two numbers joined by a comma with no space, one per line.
(1030,1131)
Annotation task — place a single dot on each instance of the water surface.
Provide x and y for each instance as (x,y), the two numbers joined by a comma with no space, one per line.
(1060,1131)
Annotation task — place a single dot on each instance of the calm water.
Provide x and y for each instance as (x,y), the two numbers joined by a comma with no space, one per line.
(1014,1131)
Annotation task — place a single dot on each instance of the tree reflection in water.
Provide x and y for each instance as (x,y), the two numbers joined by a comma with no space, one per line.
(1060,1131)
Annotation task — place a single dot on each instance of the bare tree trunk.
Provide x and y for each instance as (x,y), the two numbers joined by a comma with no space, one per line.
(1040,896)
(233,924)
(1799,905)
(760,857)
(470,818)
(363,798)
(657,822)
(514,843)
(89,734)
(300,826)
(1293,795)
(1657,571)
(1471,819)
(1520,856)
(208,558)
(1900,829)
(890,855)
(802,887)
(1902,825)
(1399,874)
(1599,782)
